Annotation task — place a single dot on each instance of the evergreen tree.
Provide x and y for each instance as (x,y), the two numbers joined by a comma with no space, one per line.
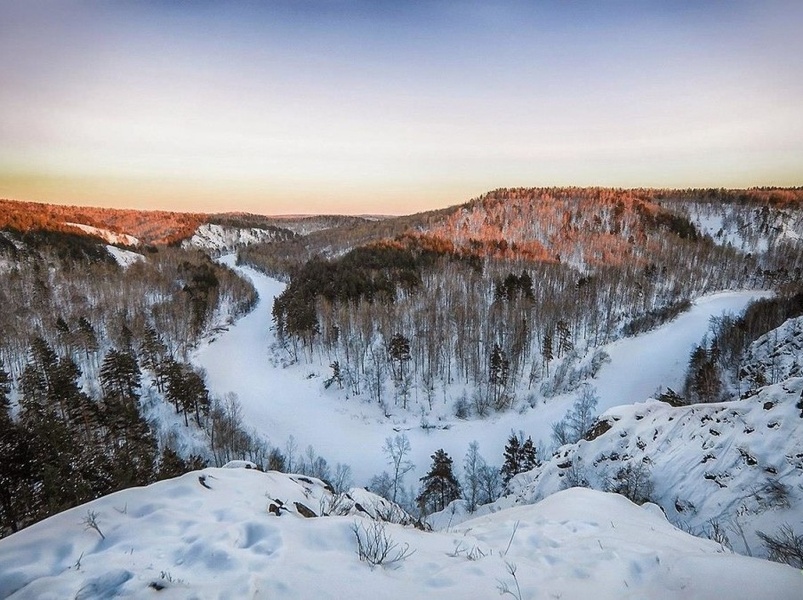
(15,466)
(153,352)
(64,335)
(187,392)
(120,375)
(529,457)
(440,486)
(87,337)
(498,375)
(337,376)
(399,352)
(520,457)
(171,464)
(564,338)
(16,481)
(5,403)
(276,460)
(512,459)
(547,351)
(526,285)
(703,377)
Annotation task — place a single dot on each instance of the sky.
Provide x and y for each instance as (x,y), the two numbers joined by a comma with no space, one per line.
(391,107)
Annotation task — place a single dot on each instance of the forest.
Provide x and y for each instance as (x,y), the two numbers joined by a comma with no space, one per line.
(510,295)
(80,334)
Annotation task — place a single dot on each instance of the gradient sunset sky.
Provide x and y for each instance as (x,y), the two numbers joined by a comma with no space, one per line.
(391,107)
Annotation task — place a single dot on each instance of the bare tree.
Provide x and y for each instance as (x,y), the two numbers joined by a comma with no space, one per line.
(396,450)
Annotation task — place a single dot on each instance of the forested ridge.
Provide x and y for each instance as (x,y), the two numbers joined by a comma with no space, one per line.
(491,293)
(150,227)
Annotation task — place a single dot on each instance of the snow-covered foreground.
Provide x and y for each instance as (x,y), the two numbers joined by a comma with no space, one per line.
(209,534)
(280,402)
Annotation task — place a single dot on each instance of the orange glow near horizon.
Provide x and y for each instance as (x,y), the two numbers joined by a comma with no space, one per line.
(193,197)
(391,108)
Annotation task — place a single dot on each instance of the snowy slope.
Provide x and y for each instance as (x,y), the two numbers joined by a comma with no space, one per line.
(751,230)
(279,402)
(222,239)
(775,356)
(124,258)
(737,463)
(110,237)
(210,534)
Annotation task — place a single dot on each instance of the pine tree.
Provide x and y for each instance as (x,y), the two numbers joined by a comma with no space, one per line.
(440,486)
(337,376)
(15,466)
(187,392)
(526,285)
(529,457)
(564,338)
(520,457)
(120,375)
(512,459)
(87,337)
(498,375)
(547,351)
(171,464)
(153,353)
(399,352)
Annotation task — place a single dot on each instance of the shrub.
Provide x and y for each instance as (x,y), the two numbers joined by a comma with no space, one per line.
(785,547)
(376,547)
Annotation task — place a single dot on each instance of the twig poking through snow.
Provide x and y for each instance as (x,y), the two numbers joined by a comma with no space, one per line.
(512,535)
(91,522)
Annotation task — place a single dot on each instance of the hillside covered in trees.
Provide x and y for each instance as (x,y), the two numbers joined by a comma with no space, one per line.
(510,294)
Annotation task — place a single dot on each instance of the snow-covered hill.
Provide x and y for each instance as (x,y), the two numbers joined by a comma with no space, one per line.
(216,534)
(110,237)
(750,229)
(739,464)
(775,356)
(124,258)
(726,470)
(221,239)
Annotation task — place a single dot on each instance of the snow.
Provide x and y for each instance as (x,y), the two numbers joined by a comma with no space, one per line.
(209,534)
(640,365)
(124,258)
(777,355)
(707,462)
(219,238)
(754,231)
(279,402)
(110,237)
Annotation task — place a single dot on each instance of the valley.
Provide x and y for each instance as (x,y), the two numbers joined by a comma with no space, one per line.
(280,401)
(507,393)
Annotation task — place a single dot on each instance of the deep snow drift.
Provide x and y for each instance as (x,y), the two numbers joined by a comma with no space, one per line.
(279,402)
(210,534)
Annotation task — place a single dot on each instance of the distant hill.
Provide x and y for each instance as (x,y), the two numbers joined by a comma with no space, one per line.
(156,227)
